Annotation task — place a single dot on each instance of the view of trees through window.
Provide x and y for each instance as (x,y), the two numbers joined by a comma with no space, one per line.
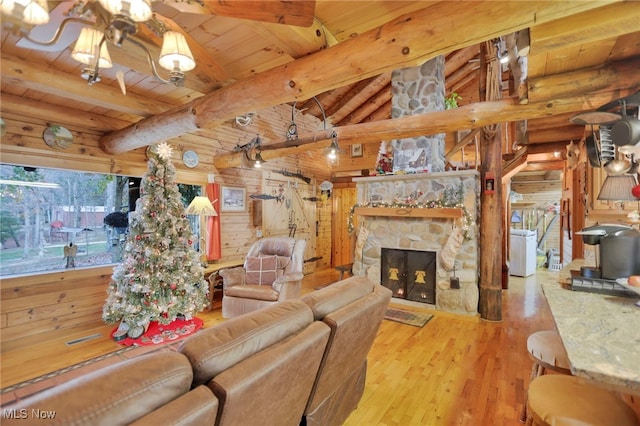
(56,219)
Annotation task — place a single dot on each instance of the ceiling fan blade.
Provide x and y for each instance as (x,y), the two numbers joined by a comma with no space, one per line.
(296,12)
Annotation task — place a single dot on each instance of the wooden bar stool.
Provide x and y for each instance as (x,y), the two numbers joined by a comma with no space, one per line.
(547,353)
(567,400)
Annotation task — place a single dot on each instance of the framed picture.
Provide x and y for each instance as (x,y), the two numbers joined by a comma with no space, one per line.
(233,199)
(356,150)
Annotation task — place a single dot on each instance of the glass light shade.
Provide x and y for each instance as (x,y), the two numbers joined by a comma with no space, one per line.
(6,6)
(618,188)
(87,46)
(35,12)
(137,10)
(201,206)
(175,53)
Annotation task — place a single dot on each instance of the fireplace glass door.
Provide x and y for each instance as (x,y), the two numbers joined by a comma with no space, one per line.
(410,274)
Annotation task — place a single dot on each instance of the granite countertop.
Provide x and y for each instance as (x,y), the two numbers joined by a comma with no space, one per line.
(601,334)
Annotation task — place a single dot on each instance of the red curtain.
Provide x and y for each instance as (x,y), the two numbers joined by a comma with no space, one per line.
(214,246)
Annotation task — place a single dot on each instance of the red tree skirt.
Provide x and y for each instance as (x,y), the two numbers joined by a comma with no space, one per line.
(158,333)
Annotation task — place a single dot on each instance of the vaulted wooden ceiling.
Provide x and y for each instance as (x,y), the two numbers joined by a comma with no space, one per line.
(343,55)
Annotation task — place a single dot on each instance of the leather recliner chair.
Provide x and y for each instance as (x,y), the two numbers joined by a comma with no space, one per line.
(272,272)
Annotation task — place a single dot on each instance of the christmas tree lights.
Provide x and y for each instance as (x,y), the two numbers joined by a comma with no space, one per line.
(161,276)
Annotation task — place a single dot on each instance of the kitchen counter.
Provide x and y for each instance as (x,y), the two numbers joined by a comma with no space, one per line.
(601,334)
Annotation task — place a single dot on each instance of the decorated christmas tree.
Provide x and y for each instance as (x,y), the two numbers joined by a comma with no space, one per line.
(160,277)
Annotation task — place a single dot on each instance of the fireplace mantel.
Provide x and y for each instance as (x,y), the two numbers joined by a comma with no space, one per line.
(444,212)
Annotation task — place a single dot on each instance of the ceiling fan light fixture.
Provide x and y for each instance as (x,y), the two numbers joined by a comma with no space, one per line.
(137,10)
(87,46)
(175,54)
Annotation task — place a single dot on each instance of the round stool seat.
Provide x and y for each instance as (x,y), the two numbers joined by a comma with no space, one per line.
(560,399)
(546,349)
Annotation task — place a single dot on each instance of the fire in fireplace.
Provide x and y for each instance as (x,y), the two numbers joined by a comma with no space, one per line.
(409,274)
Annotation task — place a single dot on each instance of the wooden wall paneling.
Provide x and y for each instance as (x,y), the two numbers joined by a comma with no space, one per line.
(45,302)
(291,215)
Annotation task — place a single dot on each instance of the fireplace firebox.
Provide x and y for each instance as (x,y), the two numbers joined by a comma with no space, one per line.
(409,274)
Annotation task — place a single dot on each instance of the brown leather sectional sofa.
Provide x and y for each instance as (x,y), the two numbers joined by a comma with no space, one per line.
(302,361)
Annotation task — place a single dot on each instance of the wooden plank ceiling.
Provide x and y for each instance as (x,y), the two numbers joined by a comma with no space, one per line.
(240,42)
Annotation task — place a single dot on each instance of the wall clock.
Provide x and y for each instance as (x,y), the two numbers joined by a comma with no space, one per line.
(190,159)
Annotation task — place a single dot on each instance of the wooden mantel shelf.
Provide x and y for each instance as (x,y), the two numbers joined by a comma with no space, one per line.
(446,213)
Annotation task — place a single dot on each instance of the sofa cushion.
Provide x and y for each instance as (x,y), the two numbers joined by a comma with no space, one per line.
(261,270)
(335,296)
(253,291)
(116,394)
(213,350)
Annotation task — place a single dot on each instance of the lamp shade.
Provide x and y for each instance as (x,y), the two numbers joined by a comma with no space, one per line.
(175,54)
(87,47)
(137,10)
(6,6)
(618,188)
(35,12)
(515,217)
(201,206)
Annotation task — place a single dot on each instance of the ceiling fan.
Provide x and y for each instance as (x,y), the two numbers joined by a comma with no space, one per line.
(102,23)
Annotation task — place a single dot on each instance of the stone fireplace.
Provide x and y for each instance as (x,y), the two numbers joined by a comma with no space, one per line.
(419,213)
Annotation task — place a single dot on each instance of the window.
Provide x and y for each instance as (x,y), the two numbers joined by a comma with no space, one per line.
(48,216)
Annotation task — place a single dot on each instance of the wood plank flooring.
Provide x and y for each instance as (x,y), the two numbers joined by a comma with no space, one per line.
(456,370)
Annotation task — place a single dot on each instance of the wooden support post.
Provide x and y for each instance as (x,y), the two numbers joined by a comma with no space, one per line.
(491,214)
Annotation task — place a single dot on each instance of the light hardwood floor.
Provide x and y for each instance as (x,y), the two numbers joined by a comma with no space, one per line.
(456,370)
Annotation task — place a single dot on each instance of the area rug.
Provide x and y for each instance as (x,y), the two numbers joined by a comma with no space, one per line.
(158,333)
(416,319)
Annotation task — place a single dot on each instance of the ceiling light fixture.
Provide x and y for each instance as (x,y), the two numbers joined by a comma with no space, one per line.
(501,51)
(254,145)
(116,21)
(333,148)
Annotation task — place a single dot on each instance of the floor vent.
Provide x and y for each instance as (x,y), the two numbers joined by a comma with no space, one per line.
(83,339)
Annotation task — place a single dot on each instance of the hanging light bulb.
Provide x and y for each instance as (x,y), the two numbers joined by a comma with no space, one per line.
(259,160)
(333,148)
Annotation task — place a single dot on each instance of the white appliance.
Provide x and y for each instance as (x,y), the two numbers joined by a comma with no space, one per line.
(522,257)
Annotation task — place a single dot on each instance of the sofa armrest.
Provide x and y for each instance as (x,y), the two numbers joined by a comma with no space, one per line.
(232,276)
(288,286)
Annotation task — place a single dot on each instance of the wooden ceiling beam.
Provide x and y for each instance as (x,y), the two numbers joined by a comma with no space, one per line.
(54,114)
(406,41)
(372,104)
(585,80)
(559,133)
(459,59)
(465,117)
(26,74)
(379,86)
(587,27)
